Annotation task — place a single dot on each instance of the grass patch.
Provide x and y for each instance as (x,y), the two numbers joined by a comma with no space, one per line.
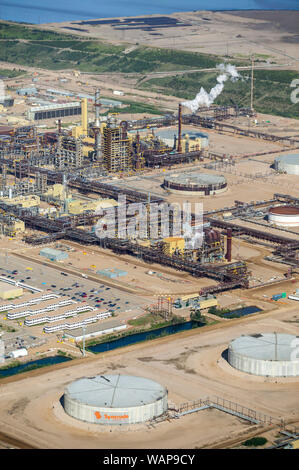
(134,107)
(55,51)
(272,89)
(6,73)
(255,442)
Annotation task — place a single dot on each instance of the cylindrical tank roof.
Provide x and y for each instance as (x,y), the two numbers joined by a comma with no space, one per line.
(115,391)
(195,179)
(284,210)
(265,346)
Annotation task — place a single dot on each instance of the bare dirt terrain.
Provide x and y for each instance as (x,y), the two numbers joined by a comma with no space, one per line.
(31,409)
(270,35)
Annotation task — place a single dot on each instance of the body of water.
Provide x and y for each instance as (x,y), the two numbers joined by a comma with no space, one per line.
(47,361)
(241,312)
(50,11)
(147,335)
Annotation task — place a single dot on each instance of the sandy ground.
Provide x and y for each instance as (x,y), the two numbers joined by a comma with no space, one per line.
(32,412)
(270,35)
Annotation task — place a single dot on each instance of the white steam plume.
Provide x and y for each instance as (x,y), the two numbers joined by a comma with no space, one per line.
(206,99)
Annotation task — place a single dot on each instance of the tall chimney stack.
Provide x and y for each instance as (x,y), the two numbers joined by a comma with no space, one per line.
(180,129)
(228,255)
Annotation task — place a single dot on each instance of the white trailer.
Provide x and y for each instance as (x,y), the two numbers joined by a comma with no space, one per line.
(19,353)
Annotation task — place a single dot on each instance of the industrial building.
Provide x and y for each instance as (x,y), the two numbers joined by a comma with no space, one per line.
(11,226)
(53,255)
(199,184)
(190,141)
(115,399)
(267,354)
(9,292)
(93,330)
(284,216)
(57,314)
(54,111)
(117,148)
(77,322)
(287,164)
(46,306)
(29,299)
(24,201)
(111,273)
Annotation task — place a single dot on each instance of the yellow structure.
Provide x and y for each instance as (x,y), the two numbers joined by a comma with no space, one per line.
(9,292)
(190,144)
(207,303)
(56,191)
(77,206)
(173,244)
(25,201)
(189,296)
(11,226)
(82,130)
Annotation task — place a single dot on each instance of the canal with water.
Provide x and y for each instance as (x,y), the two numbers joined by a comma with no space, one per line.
(144,336)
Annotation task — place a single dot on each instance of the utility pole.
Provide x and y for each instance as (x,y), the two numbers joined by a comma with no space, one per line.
(252,80)
(83,328)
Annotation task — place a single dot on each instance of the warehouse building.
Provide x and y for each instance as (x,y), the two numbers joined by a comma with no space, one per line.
(94,330)
(112,272)
(115,399)
(53,255)
(9,292)
(54,111)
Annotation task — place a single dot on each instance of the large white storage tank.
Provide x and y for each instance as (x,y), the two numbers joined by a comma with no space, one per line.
(267,354)
(115,399)
(287,164)
(285,216)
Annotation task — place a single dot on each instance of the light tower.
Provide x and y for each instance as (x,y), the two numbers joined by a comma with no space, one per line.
(252,83)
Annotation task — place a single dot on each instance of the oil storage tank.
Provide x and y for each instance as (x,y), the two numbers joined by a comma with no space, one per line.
(285,216)
(197,184)
(287,164)
(267,354)
(115,399)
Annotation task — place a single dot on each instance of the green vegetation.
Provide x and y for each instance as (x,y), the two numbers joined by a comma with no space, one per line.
(255,442)
(11,365)
(271,89)
(9,329)
(6,73)
(196,315)
(55,51)
(64,354)
(221,312)
(133,107)
(146,328)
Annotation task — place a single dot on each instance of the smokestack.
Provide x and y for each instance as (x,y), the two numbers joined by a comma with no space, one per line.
(84,115)
(180,129)
(228,255)
(97,127)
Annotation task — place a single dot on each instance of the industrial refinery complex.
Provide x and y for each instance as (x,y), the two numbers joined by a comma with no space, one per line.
(149,268)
